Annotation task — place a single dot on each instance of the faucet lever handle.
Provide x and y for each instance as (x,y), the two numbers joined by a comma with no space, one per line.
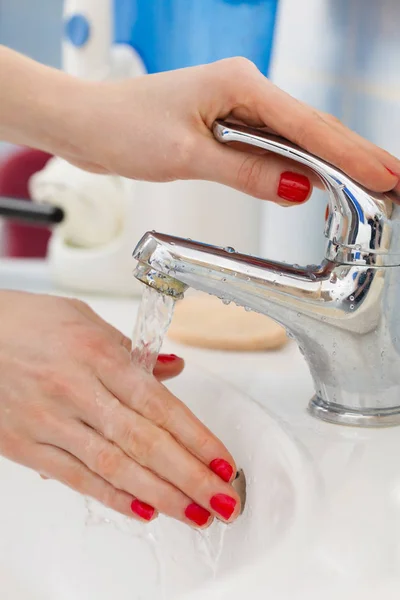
(363,227)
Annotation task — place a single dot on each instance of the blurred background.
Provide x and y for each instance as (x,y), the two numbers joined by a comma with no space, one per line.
(341,56)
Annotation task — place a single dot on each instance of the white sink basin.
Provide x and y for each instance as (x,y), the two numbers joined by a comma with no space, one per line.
(55,545)
(322,517)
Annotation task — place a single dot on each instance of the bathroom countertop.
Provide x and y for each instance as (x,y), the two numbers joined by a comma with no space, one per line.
(353,549)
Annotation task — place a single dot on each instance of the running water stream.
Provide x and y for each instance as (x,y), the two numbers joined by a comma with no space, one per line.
(153,319)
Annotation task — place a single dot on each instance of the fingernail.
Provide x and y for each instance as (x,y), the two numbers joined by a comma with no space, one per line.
(294,187)
(221,468)
(167,358)
(223,505)
(145,511)
(197,514)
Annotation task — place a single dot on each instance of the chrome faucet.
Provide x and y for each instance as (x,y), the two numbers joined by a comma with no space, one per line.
(343,313)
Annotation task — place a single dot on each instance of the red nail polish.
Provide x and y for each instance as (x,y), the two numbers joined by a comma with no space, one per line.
(221,468)
(197,514)
(294,187)
(223,505)
(167,358)
(145,511)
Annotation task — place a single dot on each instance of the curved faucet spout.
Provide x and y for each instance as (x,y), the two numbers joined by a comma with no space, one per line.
(264,286)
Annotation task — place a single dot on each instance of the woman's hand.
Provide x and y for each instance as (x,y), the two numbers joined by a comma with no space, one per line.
(158,128)
(74,408)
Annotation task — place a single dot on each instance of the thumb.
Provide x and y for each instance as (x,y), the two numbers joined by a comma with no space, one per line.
(262,175)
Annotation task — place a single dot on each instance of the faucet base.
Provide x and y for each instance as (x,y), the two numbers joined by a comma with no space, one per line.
(343,415)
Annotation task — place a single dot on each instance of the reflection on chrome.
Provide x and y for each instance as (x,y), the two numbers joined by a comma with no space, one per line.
(343,312)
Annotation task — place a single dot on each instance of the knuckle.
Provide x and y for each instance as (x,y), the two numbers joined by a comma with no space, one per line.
(109,496)
(55,383)
(331,119)
(79,304)
(251,174)
(198,478)
(10,445)
(183,153)
(126,343)
(302,133)
(202,443)
(107,464)
(242,65)
(143,445)
(75,477)
(156,407)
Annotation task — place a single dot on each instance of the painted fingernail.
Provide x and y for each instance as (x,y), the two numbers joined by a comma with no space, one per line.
(223,505)
(167,358)
(294,187)
(197,514)
(143,510)
(221,468)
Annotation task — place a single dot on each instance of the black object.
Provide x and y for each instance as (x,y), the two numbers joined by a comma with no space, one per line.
(29,212)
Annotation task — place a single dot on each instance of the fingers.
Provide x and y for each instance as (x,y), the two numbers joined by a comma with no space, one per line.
(304,126)
(264,176)
(143,394)
(242,91)
(168,366)
(391,162)
(158,451)
(55,463)
(114,466)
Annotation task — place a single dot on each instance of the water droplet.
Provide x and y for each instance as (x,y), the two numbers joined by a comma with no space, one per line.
(290,335)
(247,308)
(225,301)
(296,266)
(351,306)
(351,298)
(229,249)
(172,243)
(247,278)
(382,353)
(313,276)
(301,350)
(299,315)
(235,274)
(224,279)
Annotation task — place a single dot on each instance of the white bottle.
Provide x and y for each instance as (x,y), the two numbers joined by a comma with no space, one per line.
(107,215)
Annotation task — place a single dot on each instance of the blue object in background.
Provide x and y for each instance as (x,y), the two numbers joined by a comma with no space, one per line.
(77,30)
(171,34)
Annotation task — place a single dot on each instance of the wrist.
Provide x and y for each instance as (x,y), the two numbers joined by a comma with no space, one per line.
(40,106)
